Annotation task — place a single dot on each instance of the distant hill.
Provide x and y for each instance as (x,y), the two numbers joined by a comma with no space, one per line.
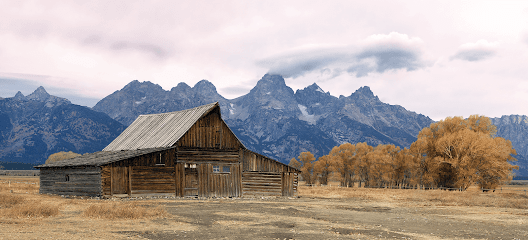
(35,126)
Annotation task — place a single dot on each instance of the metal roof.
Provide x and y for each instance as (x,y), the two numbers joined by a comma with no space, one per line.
(100,158)
(158,130)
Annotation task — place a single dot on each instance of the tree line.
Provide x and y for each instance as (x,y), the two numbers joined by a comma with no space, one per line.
(451,153)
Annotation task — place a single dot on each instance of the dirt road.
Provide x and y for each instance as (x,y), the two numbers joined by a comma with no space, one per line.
(304,218)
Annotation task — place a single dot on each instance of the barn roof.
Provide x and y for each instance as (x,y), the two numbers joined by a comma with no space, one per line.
(100,158)
(159,130)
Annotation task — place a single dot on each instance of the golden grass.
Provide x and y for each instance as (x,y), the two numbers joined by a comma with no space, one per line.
(19,184)
(471,197)
(121,210)
(13,206)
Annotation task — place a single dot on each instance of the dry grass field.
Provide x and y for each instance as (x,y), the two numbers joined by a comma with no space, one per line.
(327,212)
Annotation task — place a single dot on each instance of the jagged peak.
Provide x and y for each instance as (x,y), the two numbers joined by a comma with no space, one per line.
(19,96)
(314,87)
(364,92)
(39,94)
(269,83)
(181,86)
(204,85)
(272,78)
(135,84)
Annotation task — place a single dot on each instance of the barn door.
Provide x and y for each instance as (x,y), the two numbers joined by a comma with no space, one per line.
(191,181)
(119,180)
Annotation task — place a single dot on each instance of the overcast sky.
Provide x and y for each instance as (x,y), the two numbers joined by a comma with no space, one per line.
(441,58)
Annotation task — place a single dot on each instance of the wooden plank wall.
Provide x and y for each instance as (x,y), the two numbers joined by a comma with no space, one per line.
(262,183)
(219,184)
(253,162)
(209,132)
(83,181)
(143,176)
(207,156)
(152,180)
(289,184)
(264,176)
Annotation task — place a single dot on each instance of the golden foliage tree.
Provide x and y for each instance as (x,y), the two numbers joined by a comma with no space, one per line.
(294,163)
(342,161)
(457,152)
(307,159)
(61,156)
(322,169)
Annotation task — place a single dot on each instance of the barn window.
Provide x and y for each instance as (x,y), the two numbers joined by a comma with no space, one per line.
(67,178)
(226,169)
(216,169)
(160,160)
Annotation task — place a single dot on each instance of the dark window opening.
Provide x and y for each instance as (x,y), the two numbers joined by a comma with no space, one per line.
(226,169)
(160,160)
(67,179)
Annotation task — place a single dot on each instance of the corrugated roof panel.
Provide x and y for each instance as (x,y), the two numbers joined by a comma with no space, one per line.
(158,130)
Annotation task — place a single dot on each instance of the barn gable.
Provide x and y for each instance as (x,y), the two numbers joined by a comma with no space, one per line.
(165,129)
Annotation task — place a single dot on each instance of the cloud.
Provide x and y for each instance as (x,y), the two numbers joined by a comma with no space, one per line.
(478,51)
(377,53)
(141,47)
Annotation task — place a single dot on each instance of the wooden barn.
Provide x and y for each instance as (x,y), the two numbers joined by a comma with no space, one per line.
(185,153)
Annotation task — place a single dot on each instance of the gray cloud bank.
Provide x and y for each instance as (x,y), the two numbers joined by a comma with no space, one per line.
(378,53)
(478,51)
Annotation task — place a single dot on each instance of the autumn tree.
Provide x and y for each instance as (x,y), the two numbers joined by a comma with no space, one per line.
(322,169)
(294,163)
(362,163)
(307,159)
(61,156)
(380,165)
(457,152)
(342,161)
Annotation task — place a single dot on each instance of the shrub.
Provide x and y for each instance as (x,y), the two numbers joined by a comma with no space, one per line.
(61,156)
(13,206)
(119,210)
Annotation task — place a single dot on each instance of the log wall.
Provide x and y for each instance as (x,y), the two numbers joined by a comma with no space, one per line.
(264,176)
(81,181)
(262,183)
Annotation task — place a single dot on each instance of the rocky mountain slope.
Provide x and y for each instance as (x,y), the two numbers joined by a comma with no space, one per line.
(515,129)
(33,127)
(274,120)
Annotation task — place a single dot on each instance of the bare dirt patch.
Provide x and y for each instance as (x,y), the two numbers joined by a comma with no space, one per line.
(319,213)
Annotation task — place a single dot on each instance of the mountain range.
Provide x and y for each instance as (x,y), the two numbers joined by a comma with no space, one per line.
(276,121)
(35,126)
(271,119)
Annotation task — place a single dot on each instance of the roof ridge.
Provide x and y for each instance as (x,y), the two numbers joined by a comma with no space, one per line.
(184,110)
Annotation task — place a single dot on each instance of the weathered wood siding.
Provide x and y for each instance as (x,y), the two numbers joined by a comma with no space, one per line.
(289,184)
(81,181)
(262,183)
(219,184)
(264,176)
(207,156)
(253,162)
(199,179)
(209,132)
(149,174)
